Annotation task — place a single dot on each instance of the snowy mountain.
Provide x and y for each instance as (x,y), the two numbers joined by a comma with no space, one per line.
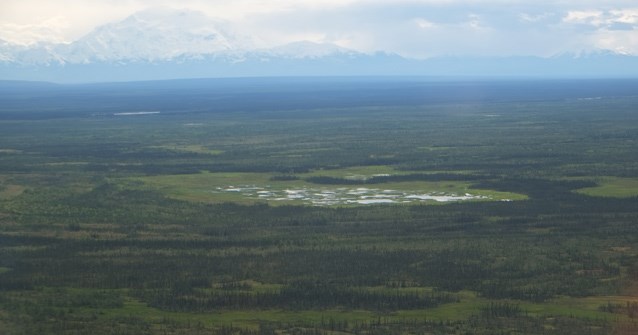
(5,51)
(158,35)
(164,43)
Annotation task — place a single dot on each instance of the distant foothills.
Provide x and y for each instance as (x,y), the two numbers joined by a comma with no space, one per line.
(168,44)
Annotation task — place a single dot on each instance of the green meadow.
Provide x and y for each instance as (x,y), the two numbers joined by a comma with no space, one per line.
(228,187)
(613,187)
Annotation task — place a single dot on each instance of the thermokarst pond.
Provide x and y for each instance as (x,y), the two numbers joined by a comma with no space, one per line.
(355,188)
(319,196)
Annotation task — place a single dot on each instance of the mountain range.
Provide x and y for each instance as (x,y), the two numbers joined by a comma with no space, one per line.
(162,43)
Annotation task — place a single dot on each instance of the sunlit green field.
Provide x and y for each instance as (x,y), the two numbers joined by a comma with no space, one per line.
(468,305)
(251,188)
(613,187)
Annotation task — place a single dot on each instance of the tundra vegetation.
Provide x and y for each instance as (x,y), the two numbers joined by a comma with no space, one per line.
(319,207)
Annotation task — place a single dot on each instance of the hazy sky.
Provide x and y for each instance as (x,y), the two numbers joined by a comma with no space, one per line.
(417,28)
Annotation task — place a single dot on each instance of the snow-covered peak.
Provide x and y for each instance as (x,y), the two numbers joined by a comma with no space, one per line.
(5,51)
(163,34)
(157,34)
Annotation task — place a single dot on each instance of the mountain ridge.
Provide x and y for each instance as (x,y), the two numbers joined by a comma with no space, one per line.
(164,43)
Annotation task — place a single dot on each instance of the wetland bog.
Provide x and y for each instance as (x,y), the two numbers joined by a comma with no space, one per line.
(263,187)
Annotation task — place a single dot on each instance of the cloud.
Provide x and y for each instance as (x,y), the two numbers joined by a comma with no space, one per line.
(423,23)
(585,17)
(424,30)
(415,28)
(50,30)
(629,16)
(605,19)
(525,17)
(615,30)
(66,19)
(624,42)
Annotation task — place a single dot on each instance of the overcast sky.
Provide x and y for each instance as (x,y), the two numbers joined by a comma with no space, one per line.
(416,28)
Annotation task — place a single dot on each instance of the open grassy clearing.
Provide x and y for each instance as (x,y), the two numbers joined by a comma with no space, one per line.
(265,187)
(10,191)
(194,148)
(587,308)
(469,306)
(9,151)
(613,187)
(356,172)
(244,319)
